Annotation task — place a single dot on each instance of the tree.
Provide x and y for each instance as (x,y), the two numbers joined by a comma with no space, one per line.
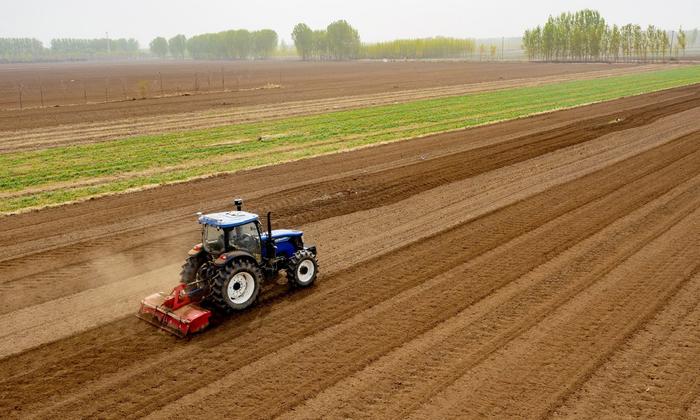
(177,46)
(343,40)
(532,42)
(584,35)
(615,43)
(264,43)
(651,42)
(439,47)
(238,44)
(21,49)
(319,42)
(303,38)
(662,37)
(80,48)
(681,40)
(159,47)
(494,51)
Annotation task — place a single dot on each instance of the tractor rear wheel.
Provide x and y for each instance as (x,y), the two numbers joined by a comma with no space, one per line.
(190,269)
(194,275)
(302,268)
(237,286)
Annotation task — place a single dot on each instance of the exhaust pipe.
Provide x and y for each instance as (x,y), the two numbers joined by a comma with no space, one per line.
(269,224)
(270,243)
(238,203)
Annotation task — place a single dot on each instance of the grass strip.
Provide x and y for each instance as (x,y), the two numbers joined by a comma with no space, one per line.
(38,178)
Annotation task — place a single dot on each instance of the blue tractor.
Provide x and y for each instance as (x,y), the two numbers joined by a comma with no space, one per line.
(226,270)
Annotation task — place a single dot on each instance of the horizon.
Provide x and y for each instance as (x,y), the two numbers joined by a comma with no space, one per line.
(412,19)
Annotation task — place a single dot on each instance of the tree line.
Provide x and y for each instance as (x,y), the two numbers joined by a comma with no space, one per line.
(238,44)
(585,36)
(439,47)
(30,49)
(94,46)
(21,49)
(339,41)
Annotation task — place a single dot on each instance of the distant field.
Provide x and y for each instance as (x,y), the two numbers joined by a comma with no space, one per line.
(212,85)
(62,174)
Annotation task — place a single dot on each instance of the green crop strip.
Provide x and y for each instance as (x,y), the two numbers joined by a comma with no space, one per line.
(58,175)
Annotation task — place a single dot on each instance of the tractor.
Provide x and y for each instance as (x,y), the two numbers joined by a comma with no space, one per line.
(225,272)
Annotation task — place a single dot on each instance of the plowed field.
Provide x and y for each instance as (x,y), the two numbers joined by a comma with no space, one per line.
(548,266)
(103,92)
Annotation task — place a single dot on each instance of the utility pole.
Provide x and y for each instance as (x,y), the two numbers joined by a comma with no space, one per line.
(503,42)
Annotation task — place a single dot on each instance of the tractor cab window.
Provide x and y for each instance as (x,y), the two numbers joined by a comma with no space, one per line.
(213,239)
(245,238)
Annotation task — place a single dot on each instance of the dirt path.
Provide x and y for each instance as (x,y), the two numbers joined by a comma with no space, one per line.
(81,133)
(520,269)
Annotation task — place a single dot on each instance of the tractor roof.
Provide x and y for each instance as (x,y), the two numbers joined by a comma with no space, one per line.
(228,219)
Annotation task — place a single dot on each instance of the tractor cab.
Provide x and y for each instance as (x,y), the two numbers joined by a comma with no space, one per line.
(231,231)
(241,231)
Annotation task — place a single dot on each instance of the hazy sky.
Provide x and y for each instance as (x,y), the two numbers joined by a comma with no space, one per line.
(375,19)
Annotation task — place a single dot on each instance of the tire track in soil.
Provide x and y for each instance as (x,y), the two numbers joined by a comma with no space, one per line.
(644,377)
(74,266)
(576,338)
(421,367)
(115,367)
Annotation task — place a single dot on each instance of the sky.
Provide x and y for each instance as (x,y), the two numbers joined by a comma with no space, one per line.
(375,20)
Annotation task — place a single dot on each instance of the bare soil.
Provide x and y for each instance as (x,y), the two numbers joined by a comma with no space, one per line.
(547,266)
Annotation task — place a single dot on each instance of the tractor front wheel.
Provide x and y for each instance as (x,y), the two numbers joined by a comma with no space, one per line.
(302,268)
(237,286)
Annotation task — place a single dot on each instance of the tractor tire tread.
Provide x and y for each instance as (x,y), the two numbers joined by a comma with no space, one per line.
(189,269)
(294,261)
(217,298)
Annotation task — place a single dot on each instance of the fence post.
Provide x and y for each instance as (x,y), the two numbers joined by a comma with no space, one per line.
(160,76)
(107,90)
(223,84)
(19,89)
(41,92)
